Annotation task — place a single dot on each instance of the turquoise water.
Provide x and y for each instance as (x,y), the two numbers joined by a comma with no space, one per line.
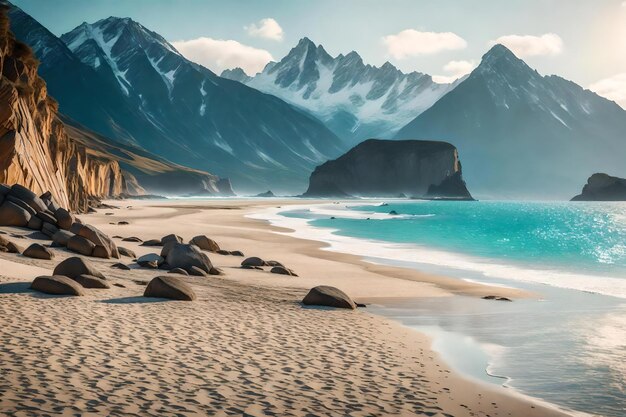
(582,238)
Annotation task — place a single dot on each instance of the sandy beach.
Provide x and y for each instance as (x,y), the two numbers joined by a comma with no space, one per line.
(246,346)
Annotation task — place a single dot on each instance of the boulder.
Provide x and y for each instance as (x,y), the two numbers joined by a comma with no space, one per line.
(325,295)
(151,260)
(180,271)
(47,217)
(21,203)
(126,252)
(216,271)
(237,253)
(80,245)
(89,281)
(49,229)
(203,242)
(107,249)
(253,261)
(169,287)
(121,266)
(281,270)
(167,246)
(38,251)
(13,215)
(171,238)
(76,266)
(35,223)
(274,263)
(58,285)
(28,197)
(61,237)
(187,256)
(64,218)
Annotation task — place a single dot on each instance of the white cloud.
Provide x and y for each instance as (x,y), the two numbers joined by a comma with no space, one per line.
(529,45)
(411,42)
(266,28)
(455,70)
(613,88)
(218,55)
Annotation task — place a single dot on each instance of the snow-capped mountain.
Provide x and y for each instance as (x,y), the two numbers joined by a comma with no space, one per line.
(522,134)
(355,100)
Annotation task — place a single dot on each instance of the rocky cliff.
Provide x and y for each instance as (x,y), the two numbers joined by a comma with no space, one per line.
(35,150)
(603,187)
(388,168)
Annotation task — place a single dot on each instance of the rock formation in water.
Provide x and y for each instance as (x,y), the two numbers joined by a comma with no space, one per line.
(603,187)
(387,168)
(35,150)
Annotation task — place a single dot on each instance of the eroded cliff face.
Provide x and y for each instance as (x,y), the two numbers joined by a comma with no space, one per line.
(35,150)
(379,168)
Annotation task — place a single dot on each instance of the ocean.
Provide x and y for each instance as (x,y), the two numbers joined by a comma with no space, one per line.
(569,348)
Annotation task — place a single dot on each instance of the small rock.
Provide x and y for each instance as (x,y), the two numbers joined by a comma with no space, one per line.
(274,263)
(38,251)
(57,284)
(152,242)
(253,261)
(132,239)
(123,223)
(222,252)
(282,271)
(126,252)
(236,253)
(121,266)
(169,287)
(117,284)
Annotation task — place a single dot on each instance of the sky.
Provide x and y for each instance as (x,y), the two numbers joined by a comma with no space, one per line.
(581,40)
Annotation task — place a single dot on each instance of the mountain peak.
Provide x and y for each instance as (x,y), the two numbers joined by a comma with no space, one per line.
(500,59)
(305,43)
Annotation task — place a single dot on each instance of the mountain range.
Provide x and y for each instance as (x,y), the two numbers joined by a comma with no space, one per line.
(138,89)
(522,134)
(355,100)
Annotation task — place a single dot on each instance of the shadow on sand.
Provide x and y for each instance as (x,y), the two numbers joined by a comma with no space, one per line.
(15,288)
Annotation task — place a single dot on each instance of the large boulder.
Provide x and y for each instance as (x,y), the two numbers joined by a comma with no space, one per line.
(27,196)
(80,245)
(12,214)
(325,295)
(76,266)
(61,237)
(105,247)
(89,281)
(169,287)
(187,256)
(35,223)
(56,284)
(203,242)
(64,218)
(49,229)
(171,238)
(47,217)
(38,251)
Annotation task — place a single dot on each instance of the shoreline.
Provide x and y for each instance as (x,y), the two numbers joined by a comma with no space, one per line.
(407,356)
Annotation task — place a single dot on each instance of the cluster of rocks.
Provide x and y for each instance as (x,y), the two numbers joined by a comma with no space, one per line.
(255,262)
(20,207)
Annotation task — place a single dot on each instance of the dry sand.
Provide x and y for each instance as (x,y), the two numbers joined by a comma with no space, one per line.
(245,347)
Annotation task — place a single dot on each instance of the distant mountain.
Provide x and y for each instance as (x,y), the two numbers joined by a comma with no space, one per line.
(355,100)
(522,134)
(205,121)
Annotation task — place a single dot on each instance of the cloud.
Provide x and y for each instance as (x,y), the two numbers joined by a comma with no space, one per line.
(613,88)
(411,42)
(218,55)
(529,45)
(455,70)
(265,28)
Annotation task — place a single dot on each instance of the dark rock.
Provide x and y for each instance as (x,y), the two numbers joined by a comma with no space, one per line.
(89,281)
(38,251)
(222,252)
(152,242)
(151,260)
(47,217)
(8,246)
(236,253)
(169,287)
(49,229)
(603,187)
(75,266)
(216,271)
(107,247)
(80,245)
(393,213)
(282,271)
(64,218)
(325,295)
(390,167)
(187,256)
(253,261)
(171,238)
(180,271)
(140,282)
(35,223)
(123,223)
(58,285)
(274,263)
(203,242)
(13,215)
(62,237)
(266,194)
(121,266)
(38,236)
(22,204)
(360,305)
(126,252)
(28,197)
(495,297)
(197,272)
(132,239)
(117,284)
(165,266)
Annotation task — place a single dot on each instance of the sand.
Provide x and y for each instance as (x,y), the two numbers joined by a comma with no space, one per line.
(245,347)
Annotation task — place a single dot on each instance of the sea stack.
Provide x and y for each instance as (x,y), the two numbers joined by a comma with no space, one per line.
(603,187)
(387,168)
